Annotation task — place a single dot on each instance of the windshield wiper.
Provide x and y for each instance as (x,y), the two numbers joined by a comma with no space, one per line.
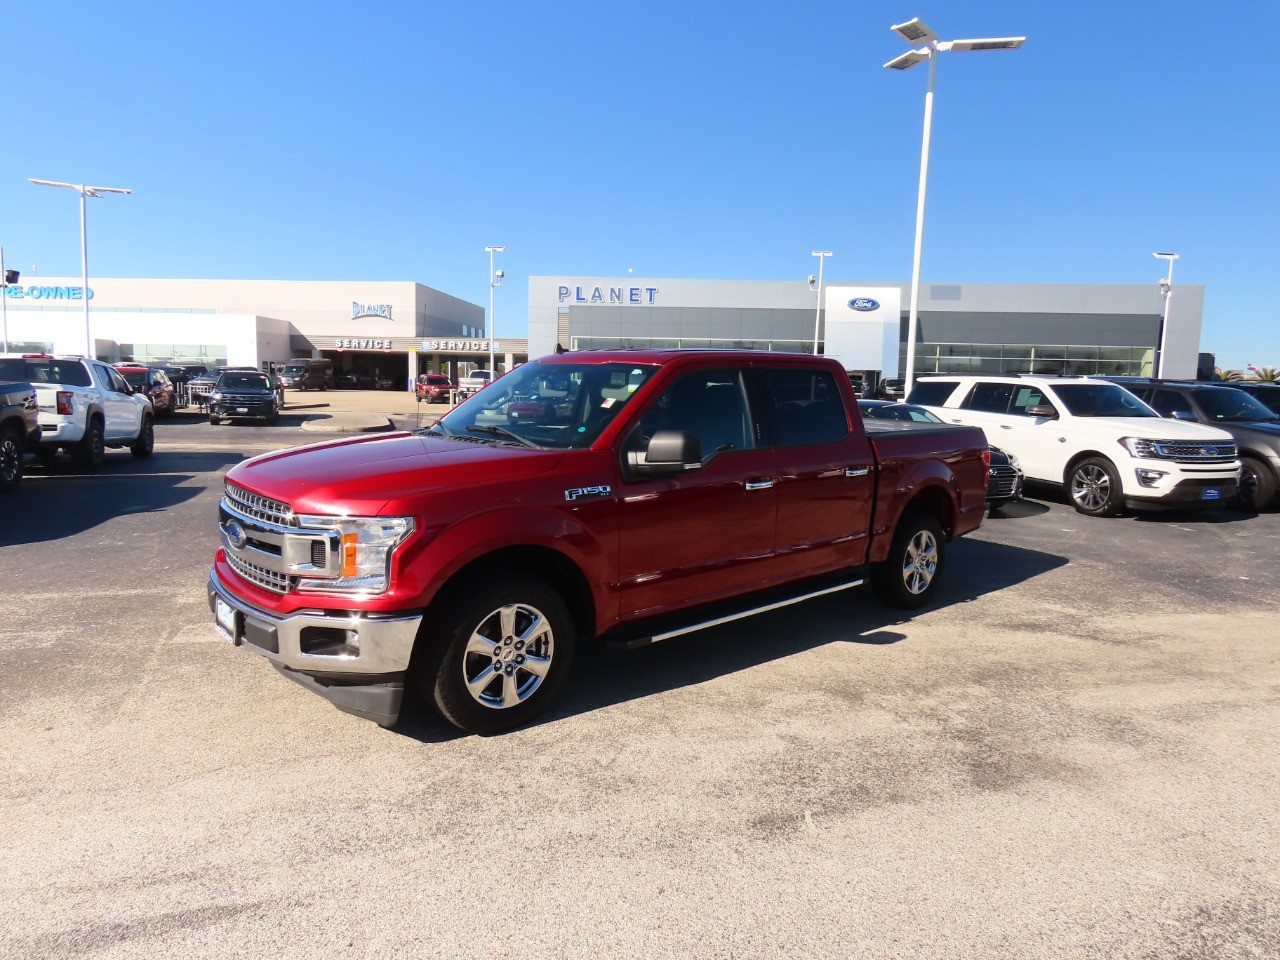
(503,432)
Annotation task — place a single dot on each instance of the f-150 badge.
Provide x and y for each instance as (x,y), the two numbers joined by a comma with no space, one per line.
(576,493)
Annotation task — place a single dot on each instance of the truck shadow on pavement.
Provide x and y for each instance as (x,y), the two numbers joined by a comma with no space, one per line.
(603,678)
(58,500)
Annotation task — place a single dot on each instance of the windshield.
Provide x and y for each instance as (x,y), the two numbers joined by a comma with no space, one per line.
(1101,400)
(294,370)
(243,381)
(562,405)
(1223,404)
(135,378)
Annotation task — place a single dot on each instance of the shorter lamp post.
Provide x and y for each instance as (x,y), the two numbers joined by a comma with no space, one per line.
(1166,288)
(817,313)
(495,280)
(85,191)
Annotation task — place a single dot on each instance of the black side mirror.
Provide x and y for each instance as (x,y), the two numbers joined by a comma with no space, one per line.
(669,451)
(1043,411)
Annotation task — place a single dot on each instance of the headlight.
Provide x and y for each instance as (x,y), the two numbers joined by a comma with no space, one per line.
(215,395)
(1140,447)
(364,548)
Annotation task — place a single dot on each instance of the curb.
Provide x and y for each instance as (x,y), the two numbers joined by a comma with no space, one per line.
(347,423)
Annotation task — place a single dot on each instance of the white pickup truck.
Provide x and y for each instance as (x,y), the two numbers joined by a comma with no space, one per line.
(473,382)
(86,406)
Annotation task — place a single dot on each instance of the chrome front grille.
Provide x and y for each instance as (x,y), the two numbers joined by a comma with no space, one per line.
(1185,451)
(259,507)
(1003,482)
(267,579)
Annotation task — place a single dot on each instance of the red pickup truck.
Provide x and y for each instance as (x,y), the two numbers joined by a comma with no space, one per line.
(623,496)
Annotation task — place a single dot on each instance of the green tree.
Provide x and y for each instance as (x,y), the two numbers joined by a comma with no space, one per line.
(1270,374)
(1228,374)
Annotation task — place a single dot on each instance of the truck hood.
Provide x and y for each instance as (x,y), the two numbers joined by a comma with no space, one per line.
(1158,428)
(359,476)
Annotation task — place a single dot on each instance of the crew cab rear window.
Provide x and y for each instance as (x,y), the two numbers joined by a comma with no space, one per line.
(807,407)
(71,372)
(989,397)
(932,393)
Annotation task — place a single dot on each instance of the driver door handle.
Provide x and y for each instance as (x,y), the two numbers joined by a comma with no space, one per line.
(759,484)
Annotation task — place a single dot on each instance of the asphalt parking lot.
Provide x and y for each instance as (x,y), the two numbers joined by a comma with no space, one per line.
(1073,753)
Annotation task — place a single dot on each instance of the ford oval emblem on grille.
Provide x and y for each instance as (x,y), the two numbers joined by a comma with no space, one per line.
(863,304)
(235,534)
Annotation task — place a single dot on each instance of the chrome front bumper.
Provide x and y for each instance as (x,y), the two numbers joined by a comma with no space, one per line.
(349,644)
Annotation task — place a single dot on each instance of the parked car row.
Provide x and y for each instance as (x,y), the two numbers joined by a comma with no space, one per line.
(1109,448)
(1004,484)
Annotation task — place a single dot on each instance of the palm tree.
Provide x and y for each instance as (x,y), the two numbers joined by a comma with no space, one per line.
(1269,374)
(1228,374)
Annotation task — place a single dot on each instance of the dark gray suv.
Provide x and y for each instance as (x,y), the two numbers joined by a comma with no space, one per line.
(1256,429)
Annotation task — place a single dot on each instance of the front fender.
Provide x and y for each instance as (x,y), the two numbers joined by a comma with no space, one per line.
(565,531)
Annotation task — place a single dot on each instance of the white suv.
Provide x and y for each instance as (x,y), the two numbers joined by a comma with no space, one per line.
(1104,445)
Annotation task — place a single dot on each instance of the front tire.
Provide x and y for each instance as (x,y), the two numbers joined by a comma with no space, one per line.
(503,650)
(141,447)
(10,459)
(908,577)
(214,419)
(92,448)
(1094,487)
(1257,485)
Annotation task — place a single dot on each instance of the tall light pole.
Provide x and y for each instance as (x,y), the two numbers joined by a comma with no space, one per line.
(495,280)
(85,191)
(817,314)
(1166,287)
(913,31)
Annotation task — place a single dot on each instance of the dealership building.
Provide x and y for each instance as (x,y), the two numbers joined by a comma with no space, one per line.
(391,330)
(962,327)
(397,330)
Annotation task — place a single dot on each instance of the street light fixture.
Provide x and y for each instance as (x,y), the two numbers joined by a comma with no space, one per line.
(495,280)
(1166,288)
(913,31)
(817,314)
(85,191)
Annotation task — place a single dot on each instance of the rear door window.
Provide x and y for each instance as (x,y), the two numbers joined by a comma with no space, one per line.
(989,397)
(807,407)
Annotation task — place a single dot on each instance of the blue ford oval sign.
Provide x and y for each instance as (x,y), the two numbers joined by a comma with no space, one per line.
(863,304)
(236,535)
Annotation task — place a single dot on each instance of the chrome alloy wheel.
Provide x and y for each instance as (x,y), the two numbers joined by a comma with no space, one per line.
(1090,487)
(920,562)
(508,656)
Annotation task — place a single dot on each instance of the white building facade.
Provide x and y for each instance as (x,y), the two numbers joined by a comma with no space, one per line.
(395,330)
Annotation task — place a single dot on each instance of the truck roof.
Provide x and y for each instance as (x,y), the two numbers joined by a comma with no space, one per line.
(671,355)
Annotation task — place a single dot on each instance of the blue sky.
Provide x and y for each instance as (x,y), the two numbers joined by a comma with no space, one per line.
(393,141)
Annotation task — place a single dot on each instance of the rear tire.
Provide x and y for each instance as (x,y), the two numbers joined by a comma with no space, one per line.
(11,451)
(1094,488)
(141,447)
(1257,485)
(908,577)
(92,448)
(503,650)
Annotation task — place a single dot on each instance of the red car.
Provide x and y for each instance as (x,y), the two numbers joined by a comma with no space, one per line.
(154,383)
(434,388)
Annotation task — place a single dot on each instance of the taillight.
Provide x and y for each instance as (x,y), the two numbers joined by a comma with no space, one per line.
(64,403)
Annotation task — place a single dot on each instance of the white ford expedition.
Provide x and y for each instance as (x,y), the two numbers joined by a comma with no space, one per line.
(85,407)
(1107,448)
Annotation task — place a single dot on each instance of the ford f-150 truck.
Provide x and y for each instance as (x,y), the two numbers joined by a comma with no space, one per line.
(624,496)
